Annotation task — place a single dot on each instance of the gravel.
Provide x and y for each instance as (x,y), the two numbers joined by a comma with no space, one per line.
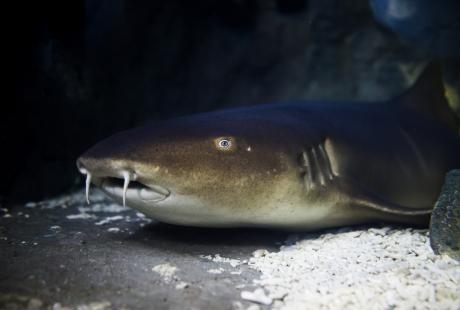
(382,268)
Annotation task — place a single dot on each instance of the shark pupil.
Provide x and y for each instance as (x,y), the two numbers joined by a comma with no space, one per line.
(224,143)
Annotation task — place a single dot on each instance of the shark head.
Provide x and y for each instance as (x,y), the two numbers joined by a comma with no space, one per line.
(210,169)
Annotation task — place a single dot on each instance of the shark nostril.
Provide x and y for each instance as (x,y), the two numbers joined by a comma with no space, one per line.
(79,165)
(85,171)
(128,176)
(127,179)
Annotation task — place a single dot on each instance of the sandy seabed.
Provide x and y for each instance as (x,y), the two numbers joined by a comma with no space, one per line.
(385,268)
(346,268)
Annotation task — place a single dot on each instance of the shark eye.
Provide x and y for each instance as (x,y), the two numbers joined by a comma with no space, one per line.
(225,144)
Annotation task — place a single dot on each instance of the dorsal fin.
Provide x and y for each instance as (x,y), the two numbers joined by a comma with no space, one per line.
(427,95)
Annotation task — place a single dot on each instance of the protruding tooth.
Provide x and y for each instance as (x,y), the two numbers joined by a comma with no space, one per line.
(88,184)
(126,175)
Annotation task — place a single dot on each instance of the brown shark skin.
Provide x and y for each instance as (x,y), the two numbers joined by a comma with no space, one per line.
(305,165)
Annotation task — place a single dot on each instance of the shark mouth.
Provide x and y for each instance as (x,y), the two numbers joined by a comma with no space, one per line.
(125,188)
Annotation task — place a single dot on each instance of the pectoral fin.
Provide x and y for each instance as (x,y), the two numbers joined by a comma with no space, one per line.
(370,200)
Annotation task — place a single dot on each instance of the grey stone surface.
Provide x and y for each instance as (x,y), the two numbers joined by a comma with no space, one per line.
(445,219)
(52,255)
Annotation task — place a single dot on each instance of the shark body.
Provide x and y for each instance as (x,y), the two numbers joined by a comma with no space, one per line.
(304,165)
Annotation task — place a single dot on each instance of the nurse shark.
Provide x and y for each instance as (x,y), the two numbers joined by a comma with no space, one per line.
(297,165)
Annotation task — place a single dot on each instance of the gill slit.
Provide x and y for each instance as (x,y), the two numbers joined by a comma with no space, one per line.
(316,167)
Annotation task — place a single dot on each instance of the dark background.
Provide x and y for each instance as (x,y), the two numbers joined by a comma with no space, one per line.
(86,69)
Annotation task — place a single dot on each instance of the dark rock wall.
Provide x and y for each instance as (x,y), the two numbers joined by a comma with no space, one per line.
(86,69)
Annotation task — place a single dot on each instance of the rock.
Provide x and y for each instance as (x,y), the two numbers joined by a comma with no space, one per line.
(445,219)
(432,25)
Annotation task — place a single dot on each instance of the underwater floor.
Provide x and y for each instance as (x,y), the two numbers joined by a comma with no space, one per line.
(64,254)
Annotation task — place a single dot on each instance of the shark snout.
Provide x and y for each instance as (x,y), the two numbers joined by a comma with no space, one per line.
(119,179)
(100,170)
(105,167)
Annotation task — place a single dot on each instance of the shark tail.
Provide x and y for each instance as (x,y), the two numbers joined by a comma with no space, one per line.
(427,96)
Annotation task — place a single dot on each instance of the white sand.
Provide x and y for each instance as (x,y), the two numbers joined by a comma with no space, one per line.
(166,271)
(351,269)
